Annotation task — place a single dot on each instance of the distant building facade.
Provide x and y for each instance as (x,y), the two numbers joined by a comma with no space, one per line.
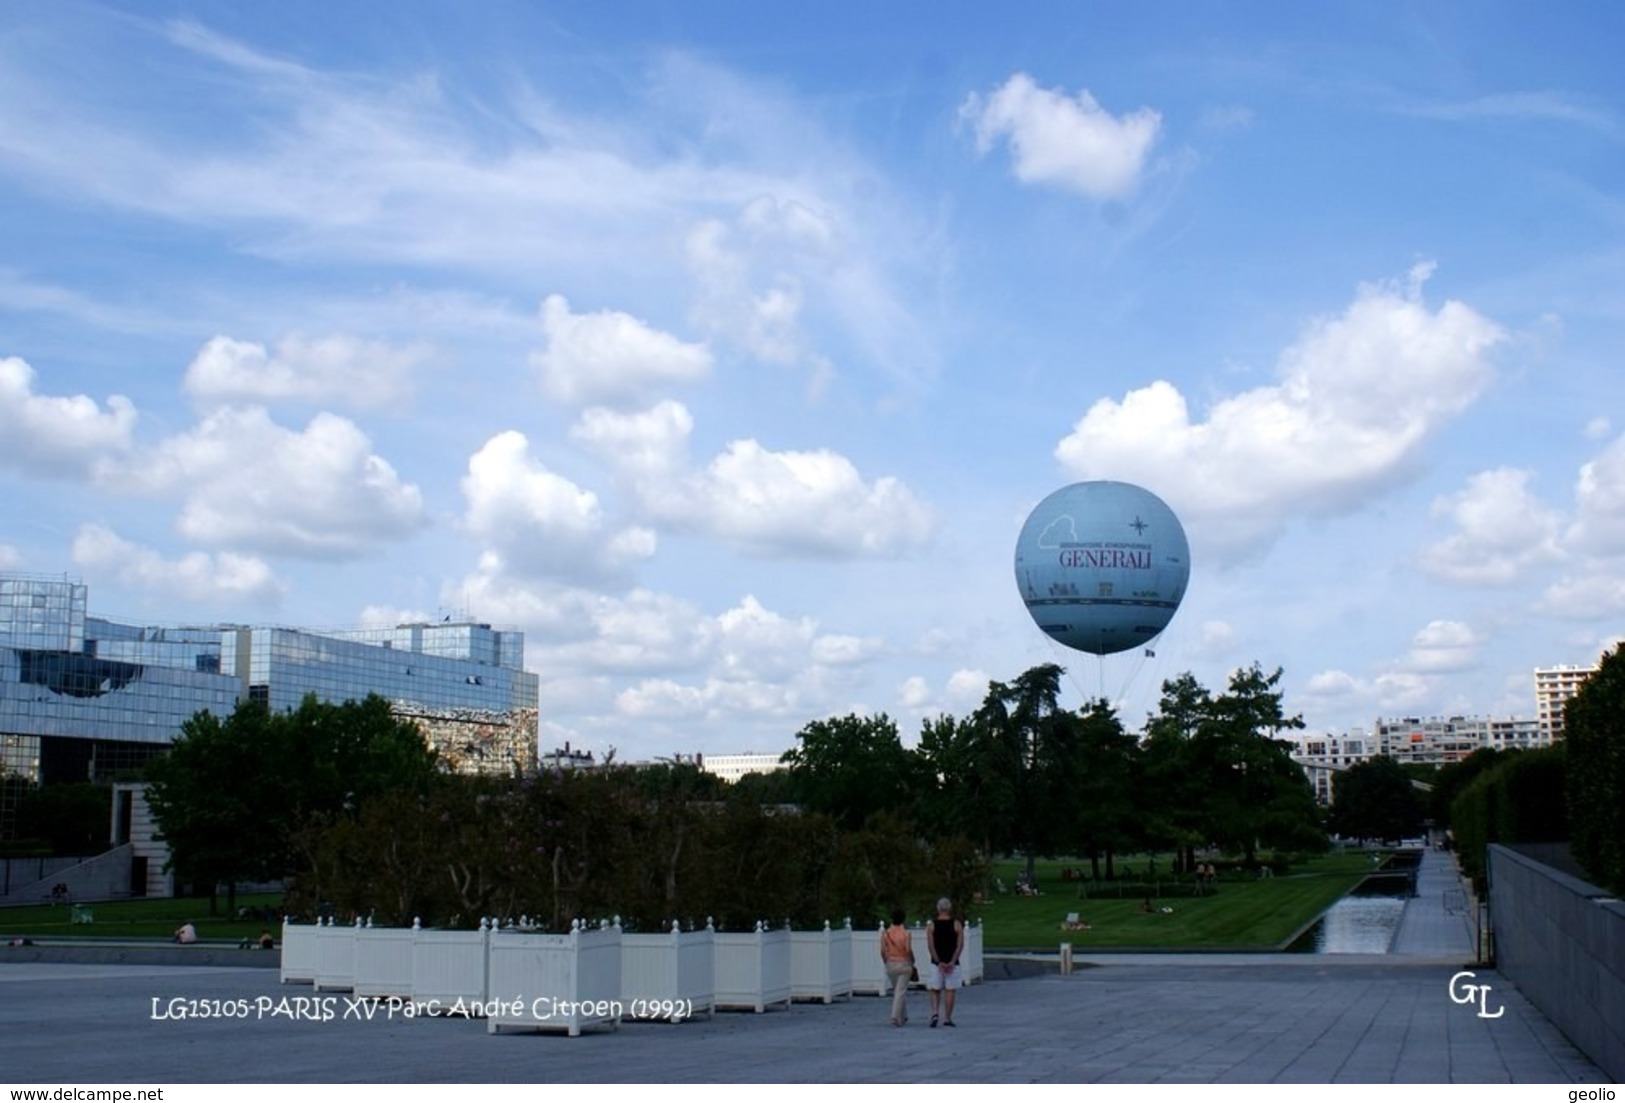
(1437,741)
(1323,757)
(1430,741)
(732,767)
(1554,685)
(566,758)
(84,698)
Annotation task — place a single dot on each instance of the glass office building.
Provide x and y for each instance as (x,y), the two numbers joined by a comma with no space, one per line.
(85,698)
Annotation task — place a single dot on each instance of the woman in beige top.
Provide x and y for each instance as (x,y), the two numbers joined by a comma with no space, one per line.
(897,951)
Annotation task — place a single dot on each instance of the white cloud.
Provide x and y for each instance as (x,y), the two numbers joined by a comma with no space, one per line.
(968,688)
(57,437)
(336,368)
(1599,498)
(1394,693)
(249,483)
(1594,587)
(659,658)
(1358,396)
(962,692)
(540,524)
(610,357)
(750,279)
(914,694)
(1068,142)
(1443,646)
(222,579)
(1216,639)
(1502,531)
(388,616)
(845,650)
(812,503)
(10,558)
(765,502)
(1589,595)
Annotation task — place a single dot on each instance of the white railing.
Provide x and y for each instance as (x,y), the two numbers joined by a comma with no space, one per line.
(674,969)
(821,964)
(753,969)
(298,952)
(335,956)
(555,981)
(383,961)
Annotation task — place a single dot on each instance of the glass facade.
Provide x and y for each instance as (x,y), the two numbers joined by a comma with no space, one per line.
(82,697)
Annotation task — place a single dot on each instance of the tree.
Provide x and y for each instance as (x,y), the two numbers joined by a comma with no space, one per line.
(1221,775)
(1021,733)
(232,795)
(1375,799)
(967,786)
(1454,777)
(1173,794)
(1594,729)
(1099,784)
(852,767)
(72,817)
(1260,795)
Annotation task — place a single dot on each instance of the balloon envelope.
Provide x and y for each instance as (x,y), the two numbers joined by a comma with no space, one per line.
(1102,566)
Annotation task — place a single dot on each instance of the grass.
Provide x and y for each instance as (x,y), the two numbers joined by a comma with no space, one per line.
(135,919)
(1244,912)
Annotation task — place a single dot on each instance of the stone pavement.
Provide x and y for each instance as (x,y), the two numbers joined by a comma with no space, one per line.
(1125,1018)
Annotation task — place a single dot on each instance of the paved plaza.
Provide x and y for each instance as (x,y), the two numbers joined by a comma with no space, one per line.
(1118,1018)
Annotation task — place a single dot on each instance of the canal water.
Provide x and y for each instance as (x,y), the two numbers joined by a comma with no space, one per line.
(1363,922)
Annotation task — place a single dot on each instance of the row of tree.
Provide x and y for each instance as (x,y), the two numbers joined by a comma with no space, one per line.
(1024,775)
(645,844)
(348,804)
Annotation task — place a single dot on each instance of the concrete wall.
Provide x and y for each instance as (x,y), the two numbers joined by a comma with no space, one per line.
(105,877)
(1561,940)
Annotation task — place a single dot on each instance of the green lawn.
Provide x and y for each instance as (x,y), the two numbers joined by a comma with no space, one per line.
(136,919)
(1243,912)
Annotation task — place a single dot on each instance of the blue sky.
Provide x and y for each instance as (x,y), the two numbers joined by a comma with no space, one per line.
(723,348)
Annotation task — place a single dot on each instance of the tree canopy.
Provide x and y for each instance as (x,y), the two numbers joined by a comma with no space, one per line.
(1376,799)
(1594,730)
(233,793)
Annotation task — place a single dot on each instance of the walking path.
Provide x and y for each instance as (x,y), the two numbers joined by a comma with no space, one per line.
(1127,1018)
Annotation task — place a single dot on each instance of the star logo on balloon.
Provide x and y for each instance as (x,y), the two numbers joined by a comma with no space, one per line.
(1084,584)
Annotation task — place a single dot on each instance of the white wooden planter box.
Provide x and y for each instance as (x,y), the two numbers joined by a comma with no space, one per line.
(335,957)
(868,971)
(383,961)
(449,967)
(821,964)
(671,969)
(975,969)
(298,952)
(753,969)
(555,981)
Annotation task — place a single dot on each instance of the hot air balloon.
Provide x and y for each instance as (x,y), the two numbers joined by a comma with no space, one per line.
(1102,566)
